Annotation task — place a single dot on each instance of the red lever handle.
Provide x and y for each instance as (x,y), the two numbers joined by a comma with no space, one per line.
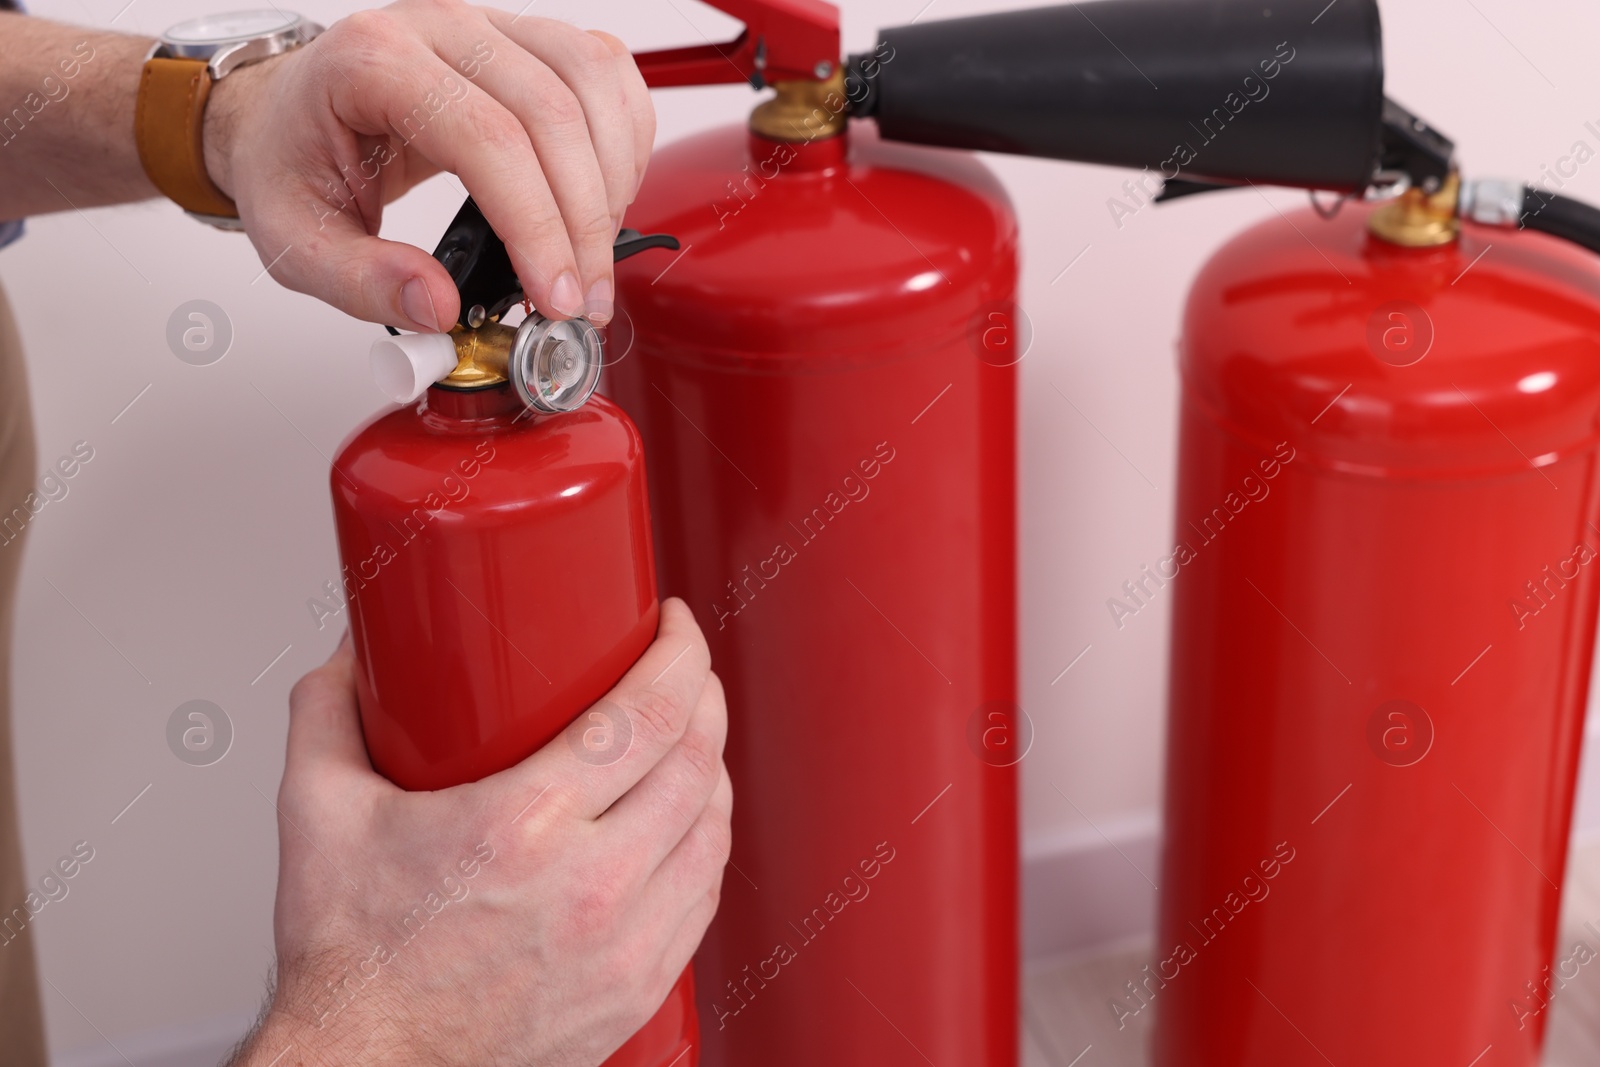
(783,40)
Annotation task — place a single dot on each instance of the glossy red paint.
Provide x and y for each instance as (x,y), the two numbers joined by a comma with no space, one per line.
(782,40)
(1372,518)
(501,581)
(832,460)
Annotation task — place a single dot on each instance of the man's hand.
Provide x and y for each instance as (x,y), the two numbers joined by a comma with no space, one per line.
(539,916)
(548,127)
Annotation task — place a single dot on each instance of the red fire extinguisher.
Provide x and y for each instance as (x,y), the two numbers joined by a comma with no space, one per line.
(832,456)
(825,379)
(468,661)
(1383,623)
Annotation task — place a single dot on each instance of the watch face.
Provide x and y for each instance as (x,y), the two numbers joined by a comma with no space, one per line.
(233,26)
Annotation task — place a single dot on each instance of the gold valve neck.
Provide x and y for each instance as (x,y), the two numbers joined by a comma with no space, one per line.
(803,111)
(1417,219)
(483,356)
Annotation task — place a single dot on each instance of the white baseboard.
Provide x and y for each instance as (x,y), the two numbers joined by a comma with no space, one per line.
(1092,887)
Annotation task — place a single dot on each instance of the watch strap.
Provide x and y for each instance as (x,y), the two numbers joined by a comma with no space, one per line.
(167,125)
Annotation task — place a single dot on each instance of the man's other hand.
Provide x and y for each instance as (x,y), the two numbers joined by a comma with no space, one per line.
(539,916)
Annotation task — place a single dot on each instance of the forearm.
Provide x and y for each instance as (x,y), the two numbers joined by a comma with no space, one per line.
(282,1040)
(66,117)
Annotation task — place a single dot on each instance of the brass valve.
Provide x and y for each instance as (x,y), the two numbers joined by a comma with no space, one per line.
(1417,219)
(483,355)
(803,111)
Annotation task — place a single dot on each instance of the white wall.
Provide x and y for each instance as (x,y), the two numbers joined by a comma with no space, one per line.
(188,546)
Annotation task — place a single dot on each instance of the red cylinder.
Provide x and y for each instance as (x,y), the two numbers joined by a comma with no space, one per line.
(823,379)
(500,581)
(1384,613)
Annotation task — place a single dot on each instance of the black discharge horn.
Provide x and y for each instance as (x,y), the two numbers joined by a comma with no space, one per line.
(1283,92)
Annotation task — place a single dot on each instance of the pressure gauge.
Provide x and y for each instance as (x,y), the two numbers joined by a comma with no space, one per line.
(555,366)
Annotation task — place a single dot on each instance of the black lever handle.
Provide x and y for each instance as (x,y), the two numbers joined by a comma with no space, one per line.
(631,242)
(481,268)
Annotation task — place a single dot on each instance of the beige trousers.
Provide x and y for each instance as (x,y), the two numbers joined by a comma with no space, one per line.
(21,1023)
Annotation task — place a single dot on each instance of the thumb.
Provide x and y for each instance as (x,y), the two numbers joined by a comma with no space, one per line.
(327,252)
(324,720)
(311,199)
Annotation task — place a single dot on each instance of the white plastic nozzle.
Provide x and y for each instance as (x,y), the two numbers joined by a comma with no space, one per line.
(406,365)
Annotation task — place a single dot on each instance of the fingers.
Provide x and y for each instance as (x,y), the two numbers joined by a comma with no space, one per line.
(695,862)
(313,204)
(553,120)
(574,96)
(370,278)
(652,818)
(311,190)
(644,716)
(542,107)
(548,128)
(641,108)
(691,930)
(676,905)
(324,722)
(566,99)
(686,889)
(426,106)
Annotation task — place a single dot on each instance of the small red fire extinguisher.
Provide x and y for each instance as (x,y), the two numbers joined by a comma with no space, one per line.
(1384,617)
(468,660)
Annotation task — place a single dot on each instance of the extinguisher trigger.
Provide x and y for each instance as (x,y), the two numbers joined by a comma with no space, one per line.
(632,242)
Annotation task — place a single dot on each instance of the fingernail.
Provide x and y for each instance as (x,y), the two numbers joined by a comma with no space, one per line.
(565,297)
(598,308)
(417,303)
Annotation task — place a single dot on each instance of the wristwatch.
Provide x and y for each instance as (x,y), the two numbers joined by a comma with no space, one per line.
(178,74)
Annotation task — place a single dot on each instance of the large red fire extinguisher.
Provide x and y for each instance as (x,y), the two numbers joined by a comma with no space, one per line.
(832,456)
(495,536)
(825,379)
(1383,623)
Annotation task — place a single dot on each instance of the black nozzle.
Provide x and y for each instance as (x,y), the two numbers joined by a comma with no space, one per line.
(1286,92)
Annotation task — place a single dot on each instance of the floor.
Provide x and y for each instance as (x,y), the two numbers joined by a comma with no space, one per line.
(1067,1024)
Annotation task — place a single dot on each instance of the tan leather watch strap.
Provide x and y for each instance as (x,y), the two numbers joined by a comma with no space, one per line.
(167,126)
